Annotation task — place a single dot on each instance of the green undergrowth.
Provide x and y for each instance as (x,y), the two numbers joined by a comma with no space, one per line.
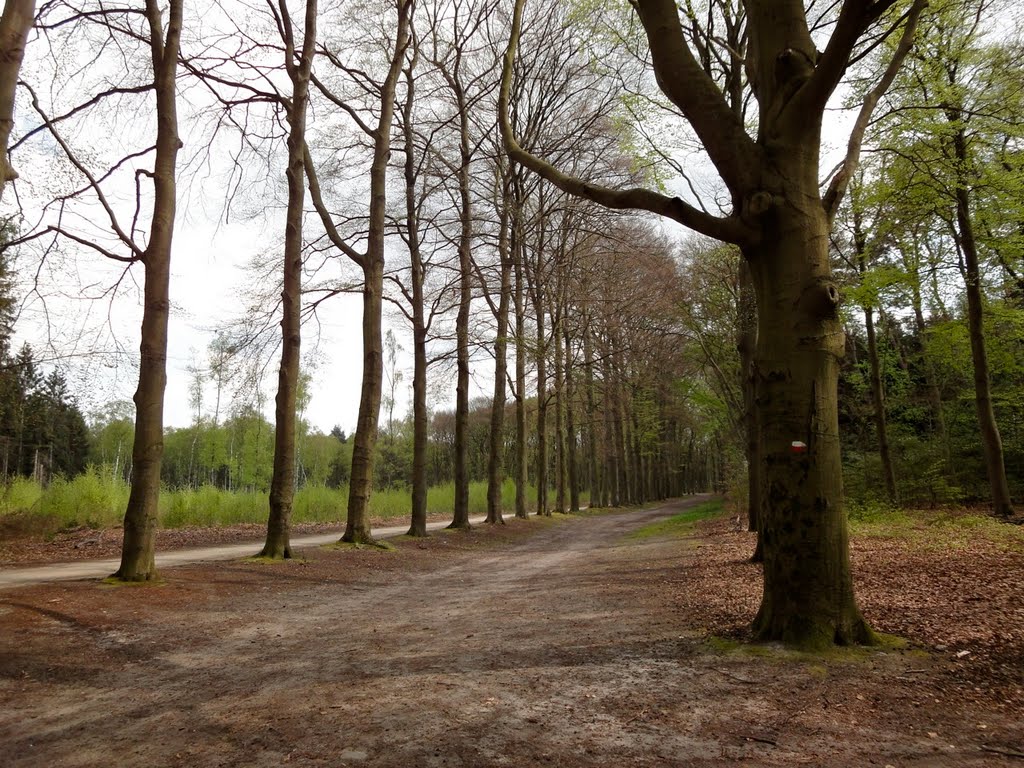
(96,499)
(681,524)
(933,529)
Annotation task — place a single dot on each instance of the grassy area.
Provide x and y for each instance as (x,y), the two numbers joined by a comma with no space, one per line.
(681,524)
(96,500)
(939,529)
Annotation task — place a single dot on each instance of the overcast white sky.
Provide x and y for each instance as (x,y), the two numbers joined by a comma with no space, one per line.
(208,279)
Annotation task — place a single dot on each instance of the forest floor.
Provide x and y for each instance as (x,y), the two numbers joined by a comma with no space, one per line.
(564,641)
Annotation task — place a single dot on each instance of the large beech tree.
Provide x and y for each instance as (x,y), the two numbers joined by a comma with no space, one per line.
(780,220)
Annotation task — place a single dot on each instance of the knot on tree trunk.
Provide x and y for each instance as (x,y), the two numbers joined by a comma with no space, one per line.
(758,203)
(793,67)
(821,300)
(7,172)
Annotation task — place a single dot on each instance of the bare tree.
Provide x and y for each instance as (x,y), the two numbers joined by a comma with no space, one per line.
(371,259)
(132,243)
(298,64)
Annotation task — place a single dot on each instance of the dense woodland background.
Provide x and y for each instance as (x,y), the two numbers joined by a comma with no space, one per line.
(624,377)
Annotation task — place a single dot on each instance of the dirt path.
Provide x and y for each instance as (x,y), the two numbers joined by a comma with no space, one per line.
(96,569)
(542,643)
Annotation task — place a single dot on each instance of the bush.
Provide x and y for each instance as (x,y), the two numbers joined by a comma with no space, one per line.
(98,499)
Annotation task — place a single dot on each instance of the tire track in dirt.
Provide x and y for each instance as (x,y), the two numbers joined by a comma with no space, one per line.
(560,650)
(281,674)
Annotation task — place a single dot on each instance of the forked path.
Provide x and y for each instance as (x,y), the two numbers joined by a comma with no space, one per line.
(557,646)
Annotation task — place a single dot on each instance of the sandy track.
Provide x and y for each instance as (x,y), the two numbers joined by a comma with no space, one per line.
(558,647)
(97,569)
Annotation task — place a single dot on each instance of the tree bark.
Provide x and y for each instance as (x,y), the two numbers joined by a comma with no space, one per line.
(460,519)
(747,345)
(282,482)
(420,427)
(357,525)
(17,19)
(570,429)
(141,516)
(808,591)
(496,448)
(521,458)
(364,441)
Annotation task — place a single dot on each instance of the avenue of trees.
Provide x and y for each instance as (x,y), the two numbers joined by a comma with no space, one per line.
(497,184)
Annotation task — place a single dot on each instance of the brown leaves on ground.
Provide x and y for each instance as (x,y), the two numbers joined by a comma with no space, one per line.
(962,602)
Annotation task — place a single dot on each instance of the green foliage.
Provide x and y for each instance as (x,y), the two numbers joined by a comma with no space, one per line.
(97,498)
(93,498)
(208,505)
(936,529)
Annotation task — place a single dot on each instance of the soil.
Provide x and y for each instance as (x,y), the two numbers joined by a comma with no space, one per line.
(547,642)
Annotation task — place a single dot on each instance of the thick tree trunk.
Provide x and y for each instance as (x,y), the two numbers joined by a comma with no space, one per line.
(808,591)
(15,24)
(282,482)
(141,516)
(991,441)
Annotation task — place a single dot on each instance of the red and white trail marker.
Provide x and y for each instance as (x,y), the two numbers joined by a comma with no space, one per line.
(798,446)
